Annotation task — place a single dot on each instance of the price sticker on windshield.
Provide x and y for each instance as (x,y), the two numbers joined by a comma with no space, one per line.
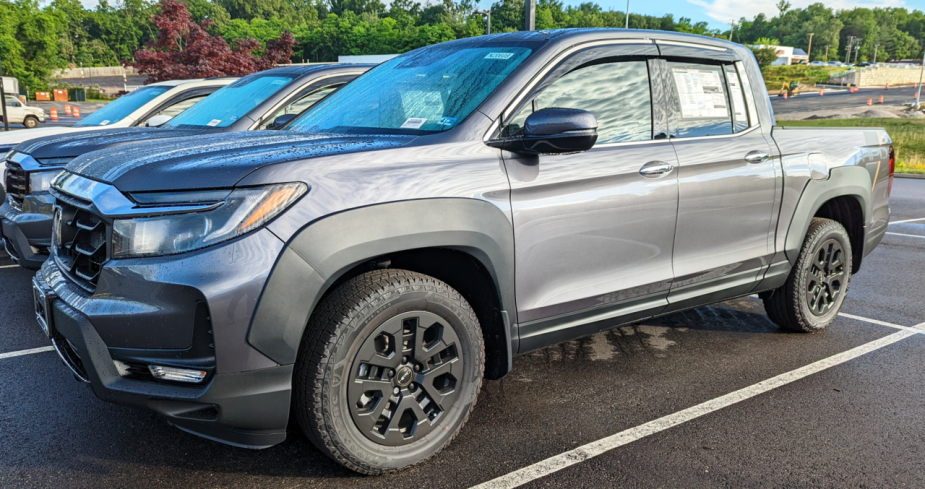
(106,122)
(214,122)
(414,123)
(499,55)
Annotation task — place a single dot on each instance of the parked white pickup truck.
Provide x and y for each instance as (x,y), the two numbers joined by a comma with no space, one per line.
(20,113)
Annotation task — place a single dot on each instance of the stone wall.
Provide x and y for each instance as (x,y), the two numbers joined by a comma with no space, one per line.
(98,71)
(878,76)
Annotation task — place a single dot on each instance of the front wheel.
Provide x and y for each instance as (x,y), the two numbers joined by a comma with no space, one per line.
(388,370)
(816,288)
(30,122)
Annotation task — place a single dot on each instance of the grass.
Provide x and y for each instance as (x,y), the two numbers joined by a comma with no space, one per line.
(908,137)
(806,75)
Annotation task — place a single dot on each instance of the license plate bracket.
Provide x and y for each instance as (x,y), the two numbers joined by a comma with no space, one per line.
(43,301)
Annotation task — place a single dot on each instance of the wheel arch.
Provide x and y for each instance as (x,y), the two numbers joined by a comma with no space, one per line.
(844,197)
(438,237)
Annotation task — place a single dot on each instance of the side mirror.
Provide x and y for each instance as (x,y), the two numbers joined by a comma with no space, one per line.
(158,120)
(282,121)
(554,131)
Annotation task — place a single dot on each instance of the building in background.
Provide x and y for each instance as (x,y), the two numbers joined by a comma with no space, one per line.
(787,55)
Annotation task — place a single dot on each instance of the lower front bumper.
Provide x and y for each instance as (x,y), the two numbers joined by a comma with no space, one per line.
(247,409)
(27,253)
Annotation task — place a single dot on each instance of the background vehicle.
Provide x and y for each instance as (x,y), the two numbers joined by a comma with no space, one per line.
(134,109)
(456,205)
(20,113)
(259,101)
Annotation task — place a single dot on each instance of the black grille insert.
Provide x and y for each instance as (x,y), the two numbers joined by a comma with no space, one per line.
(80,239)
(17,182)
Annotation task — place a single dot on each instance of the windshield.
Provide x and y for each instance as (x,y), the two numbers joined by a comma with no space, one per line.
(425,91)
(224,107)
(122,107)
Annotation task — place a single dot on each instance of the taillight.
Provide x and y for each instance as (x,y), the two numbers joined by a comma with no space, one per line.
(889,189)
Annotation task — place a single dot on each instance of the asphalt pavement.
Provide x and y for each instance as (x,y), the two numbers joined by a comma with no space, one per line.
(849,412)
(809,100)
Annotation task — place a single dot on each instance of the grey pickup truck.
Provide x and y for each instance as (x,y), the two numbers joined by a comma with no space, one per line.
(453,207)
(264,100)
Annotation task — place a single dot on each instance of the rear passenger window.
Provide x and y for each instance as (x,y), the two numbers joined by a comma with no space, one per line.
(616,93)
(701,97)
(737,98)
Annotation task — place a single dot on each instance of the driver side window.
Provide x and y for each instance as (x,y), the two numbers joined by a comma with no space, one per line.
(301,104)
(617,93)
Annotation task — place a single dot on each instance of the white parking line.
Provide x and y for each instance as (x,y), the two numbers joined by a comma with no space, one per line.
(26,352)
(908,220)
(10,266)
(907,235)
(914,329)
(593,449)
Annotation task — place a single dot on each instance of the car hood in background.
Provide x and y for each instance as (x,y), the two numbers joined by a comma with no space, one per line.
(75,143)
(12,138)
(216,160)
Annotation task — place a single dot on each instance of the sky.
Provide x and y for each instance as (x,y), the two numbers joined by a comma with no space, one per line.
(717,13)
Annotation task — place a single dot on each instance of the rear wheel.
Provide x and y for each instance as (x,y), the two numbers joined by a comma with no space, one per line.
(30,122)
(388,370)
(816,288)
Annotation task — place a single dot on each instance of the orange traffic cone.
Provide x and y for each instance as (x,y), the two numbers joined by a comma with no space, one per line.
(881,100)
(76,112)
(870,101)
(67,110)
(54,114)
(820,92)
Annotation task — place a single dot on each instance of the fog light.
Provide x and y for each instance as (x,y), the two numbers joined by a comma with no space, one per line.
(177,374)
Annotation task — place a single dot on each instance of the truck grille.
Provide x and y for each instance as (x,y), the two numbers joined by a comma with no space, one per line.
(17,182)
(81,241)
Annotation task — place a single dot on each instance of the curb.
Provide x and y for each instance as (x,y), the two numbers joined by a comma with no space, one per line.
(909,175)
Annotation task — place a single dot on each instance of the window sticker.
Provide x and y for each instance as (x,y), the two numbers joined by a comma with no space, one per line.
(701,93)
(414,123)
(278,82)
(499,55)
(104,123)
(447,121)
(214,122)
(738,99)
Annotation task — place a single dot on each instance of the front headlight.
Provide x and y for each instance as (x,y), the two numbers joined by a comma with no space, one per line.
(244,210)
(40,181)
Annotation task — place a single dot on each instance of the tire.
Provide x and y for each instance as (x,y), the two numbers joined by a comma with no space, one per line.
(351,361)
(816,288)
(30,122)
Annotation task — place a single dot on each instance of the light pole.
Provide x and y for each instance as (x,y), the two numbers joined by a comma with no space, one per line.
(848,50)
(6,120)
(627,14)
(733,23)
(531,15)
(487,14)
(857,50)
(876,47)
(918,94)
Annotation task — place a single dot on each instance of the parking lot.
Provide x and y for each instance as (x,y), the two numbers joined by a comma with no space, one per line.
(716,396)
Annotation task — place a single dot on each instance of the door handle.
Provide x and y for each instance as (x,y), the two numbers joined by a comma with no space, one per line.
(756,157)
(655,169)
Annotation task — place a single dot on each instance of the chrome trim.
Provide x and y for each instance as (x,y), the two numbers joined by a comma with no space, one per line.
(718,136)
(758,157)
(690,45)
(26,161)
(261,120)
(112,203)
(749,96)
(491,129)
(631,143)
(61,355)
(552,63)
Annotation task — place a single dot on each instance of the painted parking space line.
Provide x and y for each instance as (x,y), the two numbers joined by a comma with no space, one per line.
(9,266)
(914,329)
(26,352)
(593,449)
(907,220)
(907,235)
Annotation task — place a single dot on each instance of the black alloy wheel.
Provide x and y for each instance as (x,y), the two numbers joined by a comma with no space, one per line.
(826,277)
(404,378)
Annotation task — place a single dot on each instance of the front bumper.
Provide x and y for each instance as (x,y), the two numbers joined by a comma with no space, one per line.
(245,400)
(26,229)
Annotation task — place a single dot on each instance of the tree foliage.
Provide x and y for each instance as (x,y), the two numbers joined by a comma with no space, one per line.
(185,49)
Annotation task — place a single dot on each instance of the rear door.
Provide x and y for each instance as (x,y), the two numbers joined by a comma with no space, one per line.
(728,179)
(594,230)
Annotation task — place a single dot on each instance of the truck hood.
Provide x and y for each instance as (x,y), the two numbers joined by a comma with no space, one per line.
(215,160)
(12,138)
(75,143)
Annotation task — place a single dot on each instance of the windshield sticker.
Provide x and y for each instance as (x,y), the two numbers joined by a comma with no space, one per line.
(214,122)
(104,122)
(499,55)
(738,99)
(278,82)
(447,121)
(701,93)
(414,123)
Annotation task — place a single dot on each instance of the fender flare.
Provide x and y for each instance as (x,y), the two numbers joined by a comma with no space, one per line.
(322,251)
(853,181)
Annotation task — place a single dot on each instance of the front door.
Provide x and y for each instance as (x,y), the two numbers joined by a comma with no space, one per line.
(594,231)
(728,181)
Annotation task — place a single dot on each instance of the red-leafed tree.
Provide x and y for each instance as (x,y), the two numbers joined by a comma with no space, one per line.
(184,49)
